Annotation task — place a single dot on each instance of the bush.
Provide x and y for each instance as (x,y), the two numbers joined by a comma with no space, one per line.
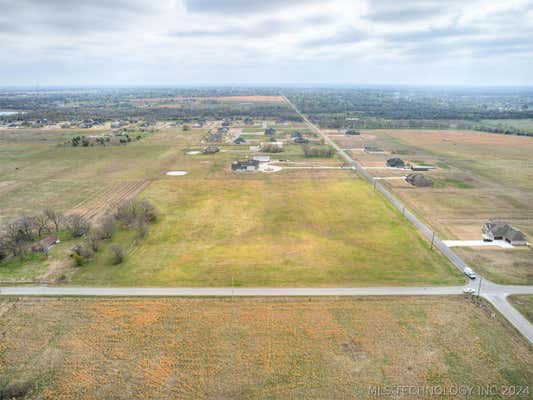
(271,148)
(117,254)
(107,227)
(317,151)
(134,212)
(15,390)
(78,260)
(93,242)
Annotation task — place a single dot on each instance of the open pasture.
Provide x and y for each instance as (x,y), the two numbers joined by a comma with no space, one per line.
(254,348)
(269,231)
(478,177)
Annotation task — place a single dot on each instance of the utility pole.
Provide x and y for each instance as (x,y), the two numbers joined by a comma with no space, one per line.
(479,286)
(432,240)
(232,290)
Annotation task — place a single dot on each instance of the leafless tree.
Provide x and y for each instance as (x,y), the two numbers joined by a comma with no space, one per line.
(14,239)
(41,224)
(26,226)
(55,218)
(77,225)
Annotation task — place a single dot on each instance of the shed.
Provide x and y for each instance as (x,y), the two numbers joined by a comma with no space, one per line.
(422,167)
(210,150)
(45,244)
(373,150)
(262,159)
(351,132)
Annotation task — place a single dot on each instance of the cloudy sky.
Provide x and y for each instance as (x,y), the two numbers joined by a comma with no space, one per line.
(188,42)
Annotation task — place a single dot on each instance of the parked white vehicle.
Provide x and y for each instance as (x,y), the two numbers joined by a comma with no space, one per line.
(469,290)
(468,272)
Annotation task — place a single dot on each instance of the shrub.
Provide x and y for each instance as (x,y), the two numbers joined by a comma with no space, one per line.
(271,148)
(133,212)
(317,151)
(78,260)
(107,227)
(117,254)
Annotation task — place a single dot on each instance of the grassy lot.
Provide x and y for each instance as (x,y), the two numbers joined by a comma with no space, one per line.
(523,124)
(479,177)
(274,232)
(292,228)
(254,348)
(524,304)
(34,175)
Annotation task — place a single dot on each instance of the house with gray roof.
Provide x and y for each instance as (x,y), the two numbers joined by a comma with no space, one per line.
(503,231)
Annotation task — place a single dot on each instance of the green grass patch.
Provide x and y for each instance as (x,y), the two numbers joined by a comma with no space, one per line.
(274,233)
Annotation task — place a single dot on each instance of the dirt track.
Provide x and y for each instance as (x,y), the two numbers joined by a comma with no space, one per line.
(108,199)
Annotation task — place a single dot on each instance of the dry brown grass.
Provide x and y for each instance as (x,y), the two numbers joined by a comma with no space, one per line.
(480,177)
(255,348)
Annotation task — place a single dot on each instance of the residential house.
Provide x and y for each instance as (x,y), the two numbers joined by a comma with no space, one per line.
(503,231)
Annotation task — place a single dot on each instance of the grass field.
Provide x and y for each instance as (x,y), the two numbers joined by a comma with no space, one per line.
(293,228)
(524,304)
(523,124)
(479,177)
(254,348)
(274,232)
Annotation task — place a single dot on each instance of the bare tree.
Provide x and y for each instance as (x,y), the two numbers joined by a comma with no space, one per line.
(26,226)
(77,225)
(55,218)
(41,224)
(14,239)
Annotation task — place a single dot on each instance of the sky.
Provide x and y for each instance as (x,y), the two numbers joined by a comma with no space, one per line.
(267,42)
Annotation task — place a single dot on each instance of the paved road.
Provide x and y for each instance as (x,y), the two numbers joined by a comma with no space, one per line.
(224,291)
(496,294)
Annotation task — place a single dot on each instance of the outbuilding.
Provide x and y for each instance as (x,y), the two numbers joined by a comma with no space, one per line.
(43,245)
(262,159)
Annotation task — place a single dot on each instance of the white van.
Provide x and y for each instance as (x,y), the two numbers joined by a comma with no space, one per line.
(468,272)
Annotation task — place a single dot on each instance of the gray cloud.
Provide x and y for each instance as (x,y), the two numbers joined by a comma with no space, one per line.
(263,28)
(428,35)
(344,36)
(239,6)
(138,41)
(70,17)
(404,14)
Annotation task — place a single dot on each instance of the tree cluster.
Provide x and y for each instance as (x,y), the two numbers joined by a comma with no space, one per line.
(322,151)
